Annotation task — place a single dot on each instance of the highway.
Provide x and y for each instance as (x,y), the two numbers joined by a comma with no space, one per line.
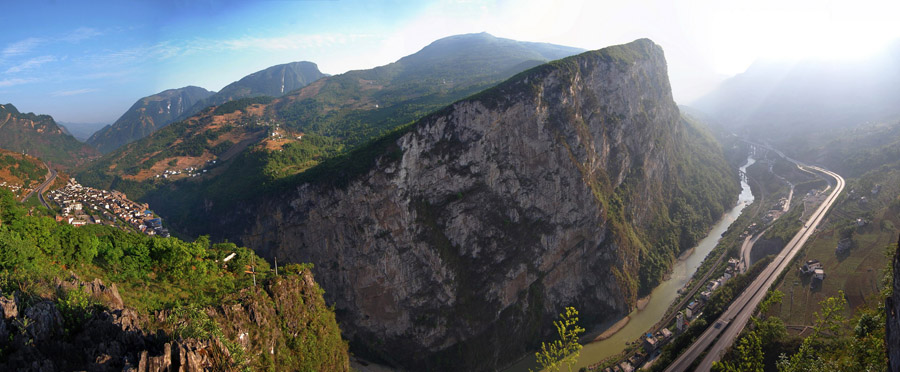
(729,325)
(51,176)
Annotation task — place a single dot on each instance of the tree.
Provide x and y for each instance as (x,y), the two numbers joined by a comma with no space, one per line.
(566,349)
(811,356)
(748,356)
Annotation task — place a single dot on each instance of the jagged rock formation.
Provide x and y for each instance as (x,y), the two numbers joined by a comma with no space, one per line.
(41,137)
(452,245)
(892,309)
(146,116)
(263,326)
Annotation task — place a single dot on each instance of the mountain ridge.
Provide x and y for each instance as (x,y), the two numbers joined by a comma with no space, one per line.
(482,232)
(332,114)
(265,82)
(781,100)
(146,116)
(40,136)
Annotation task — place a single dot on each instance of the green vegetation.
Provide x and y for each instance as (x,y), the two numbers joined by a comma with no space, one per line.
(706,187)
(713,309)
(146,116)
(748,356)
(340,116)
(25,170)
(565,350)
(158,272)
(184,278)
(40,136)
(835,344)
(241,104)
(786,226)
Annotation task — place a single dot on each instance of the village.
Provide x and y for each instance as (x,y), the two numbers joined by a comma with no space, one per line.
(187,171)
(85,205)
(651,343)
(14,188)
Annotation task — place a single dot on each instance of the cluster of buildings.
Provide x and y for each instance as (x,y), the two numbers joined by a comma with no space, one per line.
(776,211)
(814,268)
(85,205)
(860,196)
(187,171)
(14,188)
(650,342)
(730,271)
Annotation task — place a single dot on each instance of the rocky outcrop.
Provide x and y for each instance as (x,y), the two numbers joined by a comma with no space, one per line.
(892,310)
(282,325)
(452,246)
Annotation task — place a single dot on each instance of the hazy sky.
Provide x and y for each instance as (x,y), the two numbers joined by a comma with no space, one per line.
(84,61)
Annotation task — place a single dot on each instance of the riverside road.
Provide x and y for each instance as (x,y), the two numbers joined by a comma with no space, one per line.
(729,325)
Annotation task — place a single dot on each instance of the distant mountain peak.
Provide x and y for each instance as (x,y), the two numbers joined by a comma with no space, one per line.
(147,115)
(40,136)
(9,108)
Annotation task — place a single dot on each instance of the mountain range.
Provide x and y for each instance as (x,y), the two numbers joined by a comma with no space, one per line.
(274,81)
(146,116)
(40,136)
(332,114)
(781,100)
(452,202)
(151,113)
(538,169)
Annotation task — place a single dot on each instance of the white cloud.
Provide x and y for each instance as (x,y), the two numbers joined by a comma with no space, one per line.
(158,51)
(31,63)
(81,33)
(280,43)
(11,82)
(20,47)
(66,93)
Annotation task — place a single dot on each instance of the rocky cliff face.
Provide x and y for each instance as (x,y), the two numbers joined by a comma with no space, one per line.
(892,309)
(471,230)
(282,325)
(146,116)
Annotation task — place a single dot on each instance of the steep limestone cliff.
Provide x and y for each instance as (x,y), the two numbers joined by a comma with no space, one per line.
(451,245)
(892,310)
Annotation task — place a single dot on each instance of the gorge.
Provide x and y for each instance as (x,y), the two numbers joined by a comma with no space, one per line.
(454,241)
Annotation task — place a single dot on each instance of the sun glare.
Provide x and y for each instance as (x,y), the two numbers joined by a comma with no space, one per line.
(790,31)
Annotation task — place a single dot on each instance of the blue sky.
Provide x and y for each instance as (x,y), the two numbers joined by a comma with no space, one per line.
(88,61)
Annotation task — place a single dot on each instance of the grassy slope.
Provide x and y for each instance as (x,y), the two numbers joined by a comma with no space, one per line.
(168,274)
(858,273)
(21,170)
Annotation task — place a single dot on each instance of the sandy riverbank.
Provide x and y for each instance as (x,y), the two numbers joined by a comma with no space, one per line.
(612,329)
(642,303)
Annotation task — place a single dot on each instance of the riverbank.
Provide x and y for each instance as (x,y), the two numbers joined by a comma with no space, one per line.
(667,293)
(609,332)
(652,309)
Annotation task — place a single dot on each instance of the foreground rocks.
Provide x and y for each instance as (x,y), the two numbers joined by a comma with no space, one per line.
(112,337)
(892,308)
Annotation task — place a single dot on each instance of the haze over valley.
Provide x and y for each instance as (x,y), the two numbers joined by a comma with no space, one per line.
(453,185)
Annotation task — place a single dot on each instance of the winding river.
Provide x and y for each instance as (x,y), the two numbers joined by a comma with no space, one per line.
(663,295)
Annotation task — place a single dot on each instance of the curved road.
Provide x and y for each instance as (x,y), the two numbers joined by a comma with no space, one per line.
(51,176)
(733,320)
